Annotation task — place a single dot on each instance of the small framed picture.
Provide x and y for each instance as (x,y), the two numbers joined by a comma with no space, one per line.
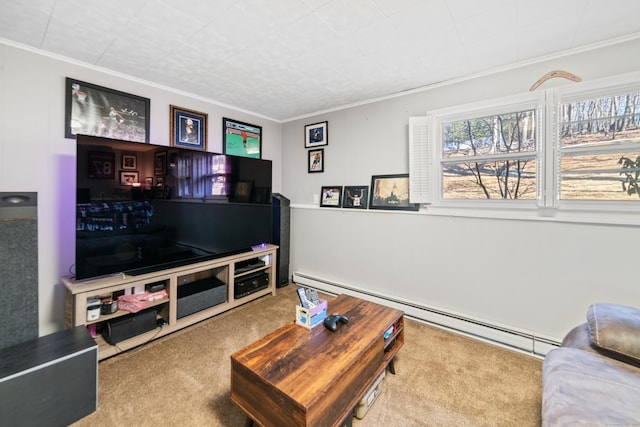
(241,139)
(188,128)
(316,160)
(148,182)
(316,135)
(391,192)
(355,196)
(331,196)
(128,177)
(160,163)
(129,161)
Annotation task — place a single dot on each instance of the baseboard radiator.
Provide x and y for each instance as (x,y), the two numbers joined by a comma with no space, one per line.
(521,340)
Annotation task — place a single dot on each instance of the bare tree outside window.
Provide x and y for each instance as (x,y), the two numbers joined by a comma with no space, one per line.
(491,157)
(600,148)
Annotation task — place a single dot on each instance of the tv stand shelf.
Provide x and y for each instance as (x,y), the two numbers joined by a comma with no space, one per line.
(105,317)
(195,302)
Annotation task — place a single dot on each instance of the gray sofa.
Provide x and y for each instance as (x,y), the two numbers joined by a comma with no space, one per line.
(593,378)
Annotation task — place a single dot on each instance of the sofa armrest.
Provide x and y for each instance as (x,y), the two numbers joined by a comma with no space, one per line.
(615,330)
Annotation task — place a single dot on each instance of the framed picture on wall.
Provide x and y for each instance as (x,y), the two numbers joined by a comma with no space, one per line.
(129,161)
(188,128)
(128,177)
(95,110)
(391,192)
(316,135)
(101,165)
(316,160)
(331,196)
(241,139)
(355,196)
(160,163)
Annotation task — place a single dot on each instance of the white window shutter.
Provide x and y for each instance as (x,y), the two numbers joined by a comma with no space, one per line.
(419,160)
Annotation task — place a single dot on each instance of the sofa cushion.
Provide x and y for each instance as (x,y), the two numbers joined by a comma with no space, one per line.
(582,388)
(615,329)
(578,337)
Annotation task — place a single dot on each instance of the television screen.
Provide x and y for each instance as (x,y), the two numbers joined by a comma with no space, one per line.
(144,207)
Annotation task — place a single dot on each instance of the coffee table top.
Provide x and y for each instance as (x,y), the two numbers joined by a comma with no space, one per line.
(317,370)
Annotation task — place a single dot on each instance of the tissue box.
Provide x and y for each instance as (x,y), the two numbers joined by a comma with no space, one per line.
(310,317)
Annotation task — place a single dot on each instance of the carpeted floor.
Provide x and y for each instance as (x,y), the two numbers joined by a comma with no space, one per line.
(442,379)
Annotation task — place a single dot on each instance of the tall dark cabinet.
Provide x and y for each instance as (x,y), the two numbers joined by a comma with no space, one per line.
(281,229)
(44,381)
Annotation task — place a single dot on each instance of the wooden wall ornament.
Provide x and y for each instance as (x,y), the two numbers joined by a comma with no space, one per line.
(553,74)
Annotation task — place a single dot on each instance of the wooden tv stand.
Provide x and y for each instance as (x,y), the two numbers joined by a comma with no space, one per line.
(215,280)
(312,378)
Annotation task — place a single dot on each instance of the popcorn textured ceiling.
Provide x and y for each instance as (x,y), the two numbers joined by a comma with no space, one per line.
(283,59)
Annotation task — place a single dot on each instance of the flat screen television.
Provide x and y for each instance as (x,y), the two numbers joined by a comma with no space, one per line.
(144,207)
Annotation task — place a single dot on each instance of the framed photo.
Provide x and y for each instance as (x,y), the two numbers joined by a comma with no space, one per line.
(128,177)
(355,196)
(331,196)
(241,139)
(391,192)
(316,134)
(188,128)
(160,163)
(129,161)
(316,160)
(100,111)
(101,165)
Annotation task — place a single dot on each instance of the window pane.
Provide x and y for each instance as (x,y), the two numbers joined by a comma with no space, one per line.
(608,176)
(496,134)
(599,139)
(600,121)
(511,179)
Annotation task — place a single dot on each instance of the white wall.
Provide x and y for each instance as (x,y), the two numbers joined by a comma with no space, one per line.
(559,270)
(533,275)
(35,156)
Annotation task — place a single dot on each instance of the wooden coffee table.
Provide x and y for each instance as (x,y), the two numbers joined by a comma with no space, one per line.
(300,377)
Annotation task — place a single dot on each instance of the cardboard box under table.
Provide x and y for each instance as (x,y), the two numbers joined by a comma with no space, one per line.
(310,317)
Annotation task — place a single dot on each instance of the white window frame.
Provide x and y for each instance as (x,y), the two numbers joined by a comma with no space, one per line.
(547,206)
(529,101)
(568,94)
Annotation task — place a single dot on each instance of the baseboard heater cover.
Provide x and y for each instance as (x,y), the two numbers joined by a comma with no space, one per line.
(521,340)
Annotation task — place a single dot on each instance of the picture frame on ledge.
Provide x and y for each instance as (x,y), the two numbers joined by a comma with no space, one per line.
(241,139)
(391,192)
(99,111)
(331,196)
(316,160)
(355,197)
(189,128)
(316,135)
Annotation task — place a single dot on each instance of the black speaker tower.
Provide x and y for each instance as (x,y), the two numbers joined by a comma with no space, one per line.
(280,229)
(18,267)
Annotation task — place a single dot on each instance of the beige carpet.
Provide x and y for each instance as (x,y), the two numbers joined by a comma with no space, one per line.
(443,379)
